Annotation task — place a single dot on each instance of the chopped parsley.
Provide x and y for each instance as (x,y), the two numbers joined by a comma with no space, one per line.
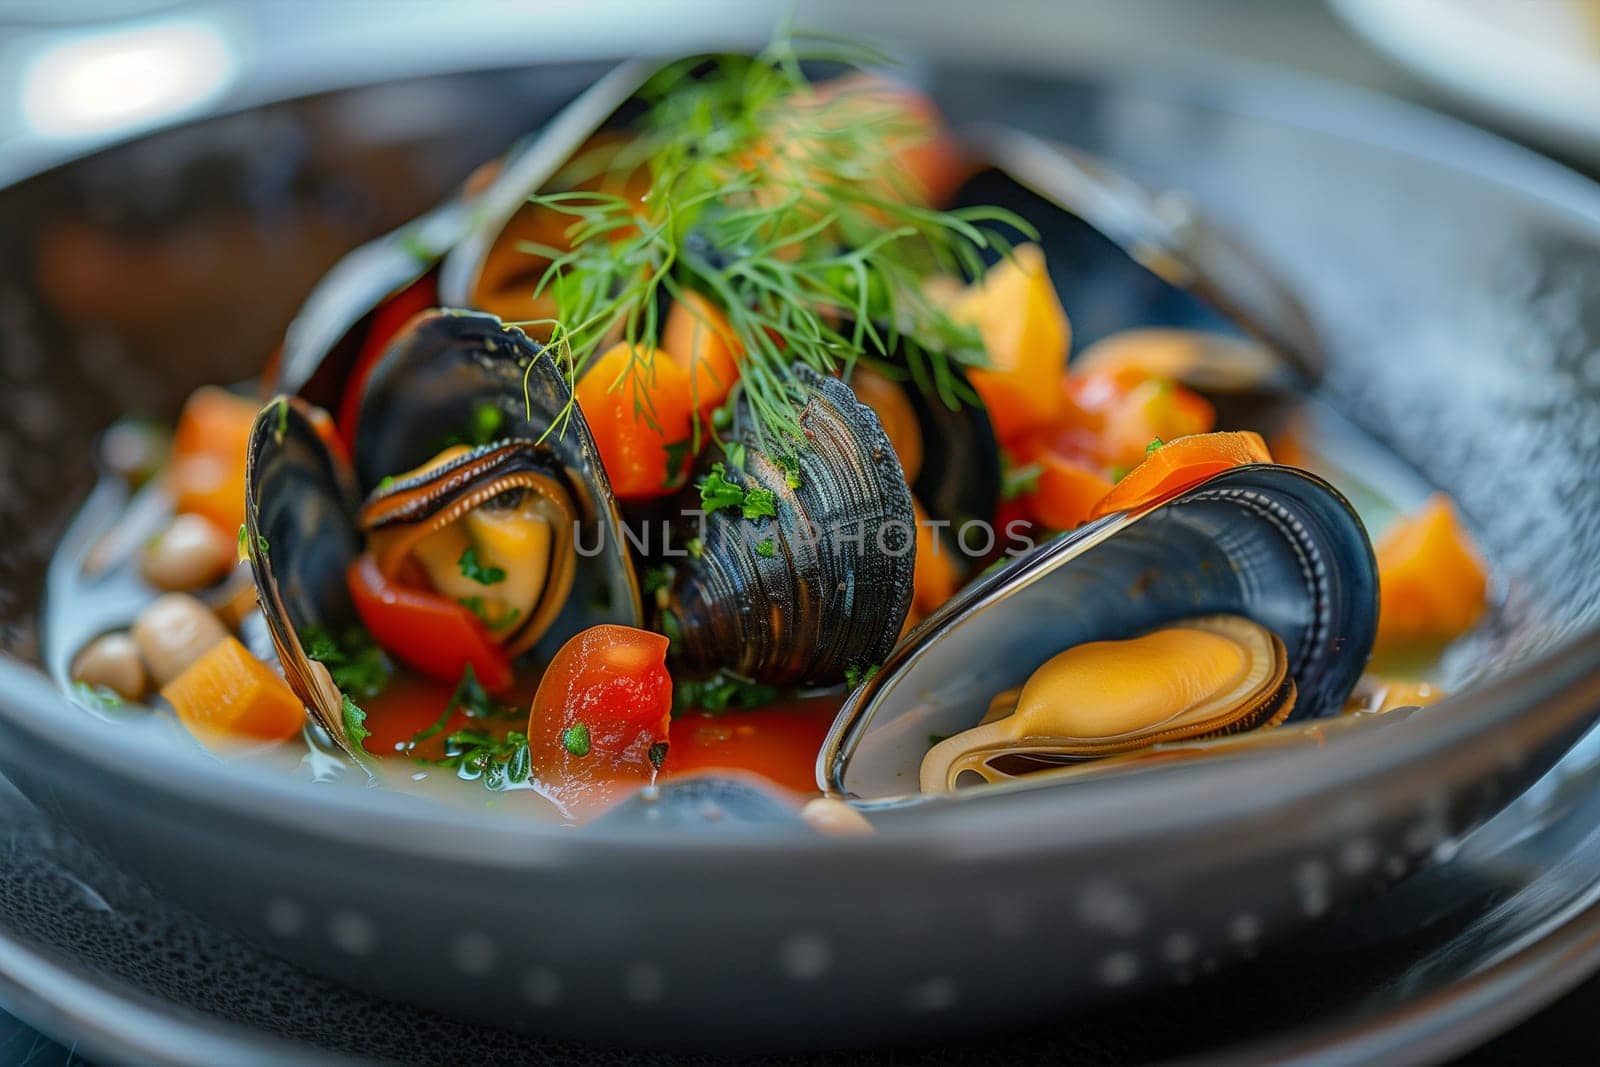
(477,571)
(101,697)
(790,465)
(736,452)
(477,754)
(355,722)
(575,739)
(355,661)
(855,677)
(658,754)
(657,578)
(767,549)
(696,547)
(759,503)
(478,607)
(473,701)
(723,691)
(1155,443)
(716,492)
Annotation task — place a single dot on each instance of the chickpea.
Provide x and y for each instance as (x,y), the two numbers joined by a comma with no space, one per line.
(112,660)
(173,632)
(827,815)
(189,554)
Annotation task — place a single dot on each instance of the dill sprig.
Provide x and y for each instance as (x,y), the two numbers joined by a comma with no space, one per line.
(782,206)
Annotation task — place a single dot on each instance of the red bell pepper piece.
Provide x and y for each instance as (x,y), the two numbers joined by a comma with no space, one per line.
(431,634)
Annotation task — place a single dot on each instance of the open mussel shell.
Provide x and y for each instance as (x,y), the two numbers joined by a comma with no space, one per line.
(300,535)
(833,588)
(1124,256)
(1269,543)
(450,372)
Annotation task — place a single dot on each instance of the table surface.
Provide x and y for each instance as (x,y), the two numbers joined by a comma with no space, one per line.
(1298,34)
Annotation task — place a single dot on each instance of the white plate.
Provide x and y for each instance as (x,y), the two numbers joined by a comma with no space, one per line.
(1531,64)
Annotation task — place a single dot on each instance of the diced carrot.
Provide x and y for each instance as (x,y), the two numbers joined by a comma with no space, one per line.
(1026,334)
(208,456)
(1178,465)
(698,338)
(214,421)
(229,699)
(1432,582)
(387,321)
(637,414)
(1066,493)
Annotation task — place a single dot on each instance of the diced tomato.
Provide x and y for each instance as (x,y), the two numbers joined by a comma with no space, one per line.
(387,322)
(433,635)
(1066,492)
(598,726)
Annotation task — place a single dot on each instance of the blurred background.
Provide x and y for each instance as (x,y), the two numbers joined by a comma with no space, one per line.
(76,75)
(73,74)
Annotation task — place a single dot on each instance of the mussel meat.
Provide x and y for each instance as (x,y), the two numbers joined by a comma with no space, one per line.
(1202,677)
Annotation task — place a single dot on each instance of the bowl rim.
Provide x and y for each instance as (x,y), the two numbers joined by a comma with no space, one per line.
(1544,699)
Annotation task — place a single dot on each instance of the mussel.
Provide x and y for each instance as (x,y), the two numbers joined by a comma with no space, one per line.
(467,442)
(1276,550)
(819,587)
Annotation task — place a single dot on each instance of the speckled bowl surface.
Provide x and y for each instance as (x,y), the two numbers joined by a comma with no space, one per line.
(1455,281)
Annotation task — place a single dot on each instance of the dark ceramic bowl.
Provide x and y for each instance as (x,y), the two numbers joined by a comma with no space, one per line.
(1454,279)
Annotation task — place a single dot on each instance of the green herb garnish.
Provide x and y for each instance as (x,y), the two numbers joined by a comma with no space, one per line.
(575,739)
(790,465)
(1155,443)
(101,697)
(767,549)
(476,754)
(476,571)
(736,453)
(717,492)
(722,692)
(355,721)
(759,503)
(356,663)
(784,209)
(655,579)
(695,547)
(658,754)
(479,607)
(282,426)
(855,677)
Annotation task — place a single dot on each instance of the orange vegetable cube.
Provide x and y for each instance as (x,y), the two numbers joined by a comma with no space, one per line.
(208,456)
(1432,582)
(1067,492)
(637,413)
(1026,334)
(230,700)
(698,338)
